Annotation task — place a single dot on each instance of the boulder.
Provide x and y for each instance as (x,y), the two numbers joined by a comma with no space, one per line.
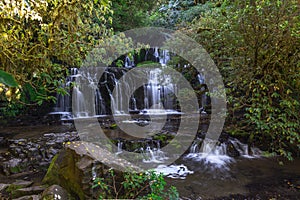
(78,163)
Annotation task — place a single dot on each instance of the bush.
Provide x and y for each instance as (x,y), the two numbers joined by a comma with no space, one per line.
(147,185)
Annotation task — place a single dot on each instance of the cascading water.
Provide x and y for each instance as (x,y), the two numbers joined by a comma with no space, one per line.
(129,63)
(158,96)
(159,92)
(218,155)
(79,106)
(153,155)
(164,57)
(120,147)
(153,90)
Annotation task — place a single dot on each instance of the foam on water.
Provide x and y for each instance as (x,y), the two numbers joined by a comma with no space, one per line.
(174,171)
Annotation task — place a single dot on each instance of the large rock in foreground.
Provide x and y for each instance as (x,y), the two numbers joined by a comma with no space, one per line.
(78,163)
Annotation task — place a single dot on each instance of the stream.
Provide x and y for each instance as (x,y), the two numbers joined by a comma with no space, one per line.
(195,174)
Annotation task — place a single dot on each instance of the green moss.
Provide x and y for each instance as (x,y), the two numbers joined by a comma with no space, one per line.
(15,169)
(113,126)
(148,64)
(62,171)
(12,189)
(50,176)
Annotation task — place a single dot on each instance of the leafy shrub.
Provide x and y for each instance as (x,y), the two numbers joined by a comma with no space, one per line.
(147,185)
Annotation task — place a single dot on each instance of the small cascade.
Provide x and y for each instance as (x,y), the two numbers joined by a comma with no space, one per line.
(219,154)
(154,155)
(94,171)
(164,57)
(245,150)
(119,147)
(129,63)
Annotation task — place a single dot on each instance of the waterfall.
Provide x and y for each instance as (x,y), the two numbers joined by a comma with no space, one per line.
(94,172)
(156,96)
(156,53)
(159,92)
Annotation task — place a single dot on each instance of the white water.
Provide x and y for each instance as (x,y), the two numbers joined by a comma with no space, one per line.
(174,171)
(129,63)
(120,147)
(159,92)
(154,155)
(79,106)
(217,155)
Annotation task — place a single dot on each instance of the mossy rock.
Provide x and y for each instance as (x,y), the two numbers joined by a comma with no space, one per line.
(63,171)
(74,167)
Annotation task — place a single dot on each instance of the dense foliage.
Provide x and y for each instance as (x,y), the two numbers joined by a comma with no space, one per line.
(129,14)
(146,185)
(256,46)
(41,40)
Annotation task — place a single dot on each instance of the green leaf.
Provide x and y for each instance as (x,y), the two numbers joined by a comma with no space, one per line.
(7,79)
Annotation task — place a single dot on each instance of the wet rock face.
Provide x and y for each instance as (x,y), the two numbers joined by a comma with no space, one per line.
(32,154)
(231,150)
